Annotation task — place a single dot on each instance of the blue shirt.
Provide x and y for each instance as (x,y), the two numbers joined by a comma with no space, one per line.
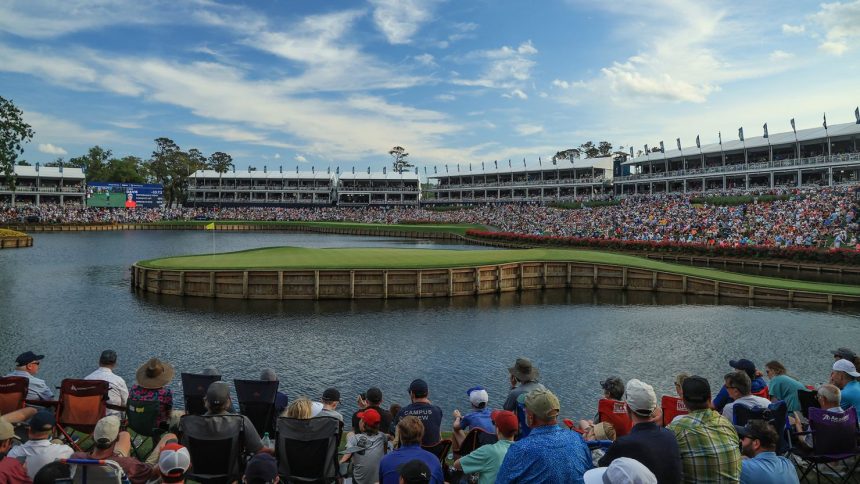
(430,415)
(38,389)
(479,419)
(850,395)
(390,465)
(550,454)
(768,468)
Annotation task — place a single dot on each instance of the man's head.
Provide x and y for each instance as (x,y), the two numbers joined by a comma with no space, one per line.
(696,393)
(51,472)
(641,400)
(414,472)
(330,398)
(738,384)
(41,425)
(107,359)
(418,389)
(844,354)
(843,373)
(369,419)
(106,432)
(410,430)
(217,397)
(173,463)
(374,396)
(757,436)
(613,387)
(268,375)
(745,366)
(506,423)
(261,469)
(478,397)
(542,408)
(29,362)
(7,434)
(829,396)
(523,371)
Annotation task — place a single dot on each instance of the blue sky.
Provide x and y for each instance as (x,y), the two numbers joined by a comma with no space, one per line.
(338,83)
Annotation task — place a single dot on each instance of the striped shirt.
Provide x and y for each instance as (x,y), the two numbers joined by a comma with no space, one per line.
(710,449)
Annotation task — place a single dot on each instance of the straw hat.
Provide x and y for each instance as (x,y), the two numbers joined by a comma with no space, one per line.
(154,374)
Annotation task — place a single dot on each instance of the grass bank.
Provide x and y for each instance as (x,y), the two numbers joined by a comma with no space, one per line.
(298,258)
(459,229)
(11,233)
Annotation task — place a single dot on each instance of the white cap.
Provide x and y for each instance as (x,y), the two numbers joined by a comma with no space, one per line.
(622,470)
(640,397)
(316,408)
(107,430)
(847,367)
(478,396)
(174,460)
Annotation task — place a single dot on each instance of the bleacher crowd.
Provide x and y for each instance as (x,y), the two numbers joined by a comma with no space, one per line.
(810,217)
(757,427)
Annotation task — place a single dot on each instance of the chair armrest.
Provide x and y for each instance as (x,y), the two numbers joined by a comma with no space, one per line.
(42,403)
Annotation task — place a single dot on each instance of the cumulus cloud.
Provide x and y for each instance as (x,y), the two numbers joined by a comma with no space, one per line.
(426,59)
(626,79)
(528,129)
(51,149)
(793,29)
(504,68)
(780,55)
(399,20)
(560,84)
(831,47)
(839,21)
(446,97)
(516,93)
(300,158)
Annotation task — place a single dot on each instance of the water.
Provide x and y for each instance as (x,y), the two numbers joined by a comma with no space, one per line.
(69,298)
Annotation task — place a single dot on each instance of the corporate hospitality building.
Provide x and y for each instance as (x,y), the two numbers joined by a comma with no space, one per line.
(386,188)
(207,187)
(44,184)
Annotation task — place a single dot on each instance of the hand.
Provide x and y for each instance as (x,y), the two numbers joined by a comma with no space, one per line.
(362,403)
(457,414)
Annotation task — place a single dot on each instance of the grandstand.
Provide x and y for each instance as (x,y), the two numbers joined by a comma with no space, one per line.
(357,189)
(581,178)
(808,157)
(38,185)
(254,188)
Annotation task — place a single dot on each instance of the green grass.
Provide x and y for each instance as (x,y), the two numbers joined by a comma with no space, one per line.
(459,229)
(11,233)
(296,258)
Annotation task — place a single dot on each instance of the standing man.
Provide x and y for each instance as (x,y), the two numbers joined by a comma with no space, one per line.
(372,399)
(330,401)
(844,376)
(422,408)
(27,365)
(550,454)
(763,466)
(523,378)
(118,391)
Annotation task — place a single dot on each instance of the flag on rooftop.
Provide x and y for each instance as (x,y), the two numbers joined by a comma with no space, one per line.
(698,143)
(540,163)
(720,136)
(825,121)
(482,166)
(631,152)
(524,162)
(646,149)
(857,114)
(497,163)
(662,148)
(383,170)
(434,170)
(793,128)
(678,140)
(765,130)
(741,134)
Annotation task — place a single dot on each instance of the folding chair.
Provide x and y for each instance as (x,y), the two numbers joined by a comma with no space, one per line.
(834,439)
(776,414)
(307,449)
(615,412)
(82,403)
(13,393)
(215,443)
(142,416)
(474,439)
(96,471)
(808,399)
(439,449)
(257,402)
(672,407)
(194,390)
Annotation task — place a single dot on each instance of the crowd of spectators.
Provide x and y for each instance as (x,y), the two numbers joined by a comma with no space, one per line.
(527,440)
(811,217)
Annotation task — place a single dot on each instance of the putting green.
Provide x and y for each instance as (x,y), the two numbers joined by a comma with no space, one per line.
(459,229)
(295,258)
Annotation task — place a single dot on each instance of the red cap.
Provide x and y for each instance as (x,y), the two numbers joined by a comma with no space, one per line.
(505,420)
(370,417)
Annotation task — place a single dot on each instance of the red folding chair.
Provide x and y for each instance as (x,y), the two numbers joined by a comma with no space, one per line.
(13,393)
(615,412)
(81,405)
(672,407)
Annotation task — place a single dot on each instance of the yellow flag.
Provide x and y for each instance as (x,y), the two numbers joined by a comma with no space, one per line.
(210,226)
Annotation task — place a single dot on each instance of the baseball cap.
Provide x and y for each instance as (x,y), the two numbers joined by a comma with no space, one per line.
(108,357)
(7,431)
(543,403)
(758,429)
(477,395)
(370,417)
(218,393)
(845,354)
(622,470)
(174,460)
(107,430)
(43,421)
(418,387)
(261,468)
(27,357)
(374,395)
(745,365)
(505,421)
(640,398)
(331,395)
(415,472)
(696,389)
(846,366)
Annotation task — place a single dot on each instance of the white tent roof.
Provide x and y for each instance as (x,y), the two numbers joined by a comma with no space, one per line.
(490,168)
(363,175)
(259,175)
(49,172)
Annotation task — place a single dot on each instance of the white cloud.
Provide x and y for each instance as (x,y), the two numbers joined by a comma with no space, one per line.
(780,55)
(51,149)
(506,67)
(277,156)
(426,59)
(839,21)
(125,124)
(836,48)
(50,129)
(234,134)
(300,158)
(445,97)
(528,129)
(399,20)
(516,93)
(793,29)
(561,84)
(543,94)
(627,80)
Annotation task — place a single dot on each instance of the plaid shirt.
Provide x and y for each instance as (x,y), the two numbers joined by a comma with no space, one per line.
(710,449)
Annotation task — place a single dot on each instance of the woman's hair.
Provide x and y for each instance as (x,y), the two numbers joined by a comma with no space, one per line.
(679,379)
(776,367)
(300,409)
(410,430)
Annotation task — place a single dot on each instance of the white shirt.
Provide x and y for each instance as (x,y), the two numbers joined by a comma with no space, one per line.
(38,389)
(118,391)
(39,453)
(749,400)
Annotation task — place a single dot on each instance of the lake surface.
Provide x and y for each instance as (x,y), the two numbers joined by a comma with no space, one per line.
(68,297)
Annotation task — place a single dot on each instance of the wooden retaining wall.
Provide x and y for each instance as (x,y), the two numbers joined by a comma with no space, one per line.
(730,264)
(461,281)
(16,242)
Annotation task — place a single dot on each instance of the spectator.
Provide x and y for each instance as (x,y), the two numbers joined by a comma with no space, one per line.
(173,463)
(53,472)
(479,417)
(550,454)
(763,466)
(737,384)
(421,407)
(151,379)
(709,444)
(622,470)
(783,387)
(12,471)
(217,402)
(39,450)
(366,448)
(523,378)
(828,398)
(261,469)
(393,410)
(330,401)
(845,354)
(408,438)
(653,446)
(415,472)
(613,388)
(20,415)
(373,399)
(301,408)
(486,460)
(758,385)
(844,376)
(281,399)
(27,365)
(679,383)
(118,392)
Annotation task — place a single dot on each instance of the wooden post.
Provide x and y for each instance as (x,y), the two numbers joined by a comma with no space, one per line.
(352,284)
(654,281)
(280,284)
(385,284)
(543,276)
(158,282)
(521,283)
(477,280)
(450,282)
(499,278)
(569,274)
(245,284)
(418,283)
(181,283)
(716,288)
(624,278)
(594,277)
(684,284)
(316,284)
(212,284)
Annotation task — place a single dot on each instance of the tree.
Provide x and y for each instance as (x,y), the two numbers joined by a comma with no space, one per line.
(589,149)
(158,167)
(400,162)
(220,162)
(125,170)
(605,148)
(93,163)
(13,133)
(568,154)
(23,163)
(59,161)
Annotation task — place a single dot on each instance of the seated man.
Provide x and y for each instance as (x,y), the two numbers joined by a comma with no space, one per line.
(39,450)
(27,364)
(12,471)
(829,398)
(737,384)
(173,463)
(261,469)
(844,376)
(479,417)
(523,377)
(410,431)
(218,402)
(118,390)
(487,459)
(281,399)
(330,401)
(421,407)
(762,466)
(757,385)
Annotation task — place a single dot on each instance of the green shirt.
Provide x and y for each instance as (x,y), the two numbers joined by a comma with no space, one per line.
(485,461)
(785,388)
(710,449)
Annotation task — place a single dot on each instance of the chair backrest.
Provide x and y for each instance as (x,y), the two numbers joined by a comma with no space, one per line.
(13,392)
(82,403)
(94,471)
(257,402)
(808,399)
(474,439)
(142,416)
(439,449)
(833,434)
(764,393)
(615,412)
(307,449)
(672,407)
(215,445)
(194,390)
(776,414)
